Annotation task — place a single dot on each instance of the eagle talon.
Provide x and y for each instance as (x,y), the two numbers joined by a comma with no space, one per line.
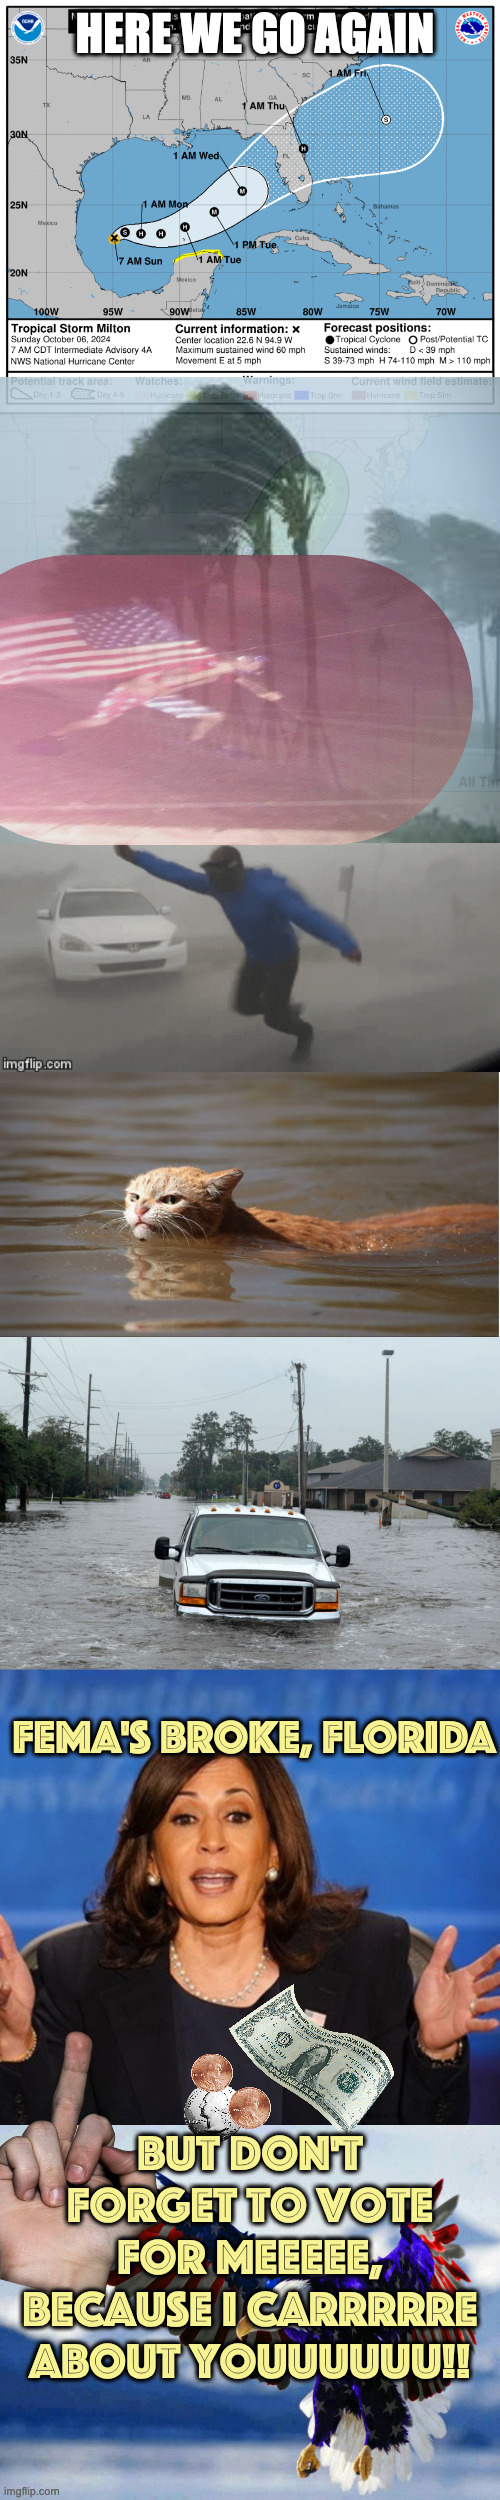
(363,2465)
(308,2462)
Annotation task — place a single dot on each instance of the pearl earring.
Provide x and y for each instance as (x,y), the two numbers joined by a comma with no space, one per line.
(154,1879)
(272,1874)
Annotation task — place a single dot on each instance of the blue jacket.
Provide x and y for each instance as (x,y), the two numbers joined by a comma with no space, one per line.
(262,913)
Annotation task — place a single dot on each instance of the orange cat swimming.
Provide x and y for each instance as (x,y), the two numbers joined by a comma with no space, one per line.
(180,1202)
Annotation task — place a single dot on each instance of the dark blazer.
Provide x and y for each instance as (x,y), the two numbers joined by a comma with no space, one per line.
(362,1983)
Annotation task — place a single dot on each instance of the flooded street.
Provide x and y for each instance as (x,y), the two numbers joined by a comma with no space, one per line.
(80,1589)
(312,1145)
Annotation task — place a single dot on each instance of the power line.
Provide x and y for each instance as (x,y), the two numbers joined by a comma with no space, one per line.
(55,1385)
(56,1389)
(48,1341)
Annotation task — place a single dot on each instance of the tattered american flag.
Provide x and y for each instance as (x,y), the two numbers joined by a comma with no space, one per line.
(206,2280)
(101,643)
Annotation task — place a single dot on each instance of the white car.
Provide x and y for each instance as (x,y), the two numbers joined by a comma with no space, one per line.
(94,932)
(239,1559)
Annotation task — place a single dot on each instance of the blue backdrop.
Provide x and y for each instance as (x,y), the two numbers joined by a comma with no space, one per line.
(422,1834)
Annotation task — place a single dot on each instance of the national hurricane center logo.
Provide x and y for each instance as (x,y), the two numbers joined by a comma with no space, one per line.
(472,27)
(28,27)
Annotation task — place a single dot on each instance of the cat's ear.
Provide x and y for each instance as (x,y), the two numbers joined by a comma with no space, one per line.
(222,1184)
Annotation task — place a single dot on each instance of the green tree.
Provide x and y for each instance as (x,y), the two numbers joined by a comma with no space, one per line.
(292,495)
(460,1444)
(336,1454)
(164,1483)
(457,562)
(270,1464)
(56,1462)
(192,483)
(109,1476)
(468,565)
(105,1477)
(194,1472)
(367,1448)
(432,827)
(12,1451)
(235,1431)
(481,1510)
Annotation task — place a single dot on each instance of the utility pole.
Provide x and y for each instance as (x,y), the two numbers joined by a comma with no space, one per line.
(66,1445)
(23,1488)
(87,1442)
(244,1478)
(28,1383)
(387,1351)
(299,1369)
(114,1451)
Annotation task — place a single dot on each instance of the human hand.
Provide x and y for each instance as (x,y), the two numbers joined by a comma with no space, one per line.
(355,955)
(17,1998)
(123,851)
(38,2247)
(265,694)
(449,2004)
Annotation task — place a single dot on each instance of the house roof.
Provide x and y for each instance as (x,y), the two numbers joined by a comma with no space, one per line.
(413,1472)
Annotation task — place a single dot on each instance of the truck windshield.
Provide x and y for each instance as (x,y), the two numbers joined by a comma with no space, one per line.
(273,1533)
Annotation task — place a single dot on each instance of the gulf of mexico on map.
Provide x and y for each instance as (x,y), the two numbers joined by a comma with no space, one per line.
(202,184)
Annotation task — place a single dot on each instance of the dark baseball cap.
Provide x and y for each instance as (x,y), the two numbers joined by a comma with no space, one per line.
(225,857)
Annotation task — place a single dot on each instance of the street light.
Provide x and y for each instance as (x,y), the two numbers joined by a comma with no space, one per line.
(387,1351)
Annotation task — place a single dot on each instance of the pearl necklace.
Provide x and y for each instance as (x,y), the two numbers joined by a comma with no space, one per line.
(239,1992)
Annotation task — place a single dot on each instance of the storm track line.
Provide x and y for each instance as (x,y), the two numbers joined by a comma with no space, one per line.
(166,235)
(309,101)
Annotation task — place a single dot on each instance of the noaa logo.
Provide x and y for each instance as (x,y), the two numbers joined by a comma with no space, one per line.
(28,28)
(472,29)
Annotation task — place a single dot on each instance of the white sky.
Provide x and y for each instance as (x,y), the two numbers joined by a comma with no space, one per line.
(159,1386)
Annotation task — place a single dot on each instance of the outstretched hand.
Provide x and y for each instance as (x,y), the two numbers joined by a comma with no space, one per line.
(451,2003)
(123,851)
(38,2247)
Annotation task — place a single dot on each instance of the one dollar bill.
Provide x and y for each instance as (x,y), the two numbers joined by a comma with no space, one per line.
(335,2070)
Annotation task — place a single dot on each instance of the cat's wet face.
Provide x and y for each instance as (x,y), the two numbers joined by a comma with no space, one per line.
(178,1199)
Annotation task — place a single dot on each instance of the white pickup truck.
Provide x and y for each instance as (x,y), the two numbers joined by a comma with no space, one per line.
(239,1559)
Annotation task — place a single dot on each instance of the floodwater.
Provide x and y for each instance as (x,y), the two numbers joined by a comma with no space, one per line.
(319,1145)
(81,1589)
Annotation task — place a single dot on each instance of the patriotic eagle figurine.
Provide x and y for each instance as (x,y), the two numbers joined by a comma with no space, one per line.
(370,2431)
(376,2431)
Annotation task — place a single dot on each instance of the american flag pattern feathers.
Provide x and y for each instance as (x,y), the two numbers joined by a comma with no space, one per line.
(101,643)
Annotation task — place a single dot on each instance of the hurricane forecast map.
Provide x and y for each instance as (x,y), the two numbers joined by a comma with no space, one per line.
(335,169)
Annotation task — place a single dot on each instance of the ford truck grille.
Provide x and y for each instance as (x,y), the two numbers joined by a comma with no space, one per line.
(266,1597)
